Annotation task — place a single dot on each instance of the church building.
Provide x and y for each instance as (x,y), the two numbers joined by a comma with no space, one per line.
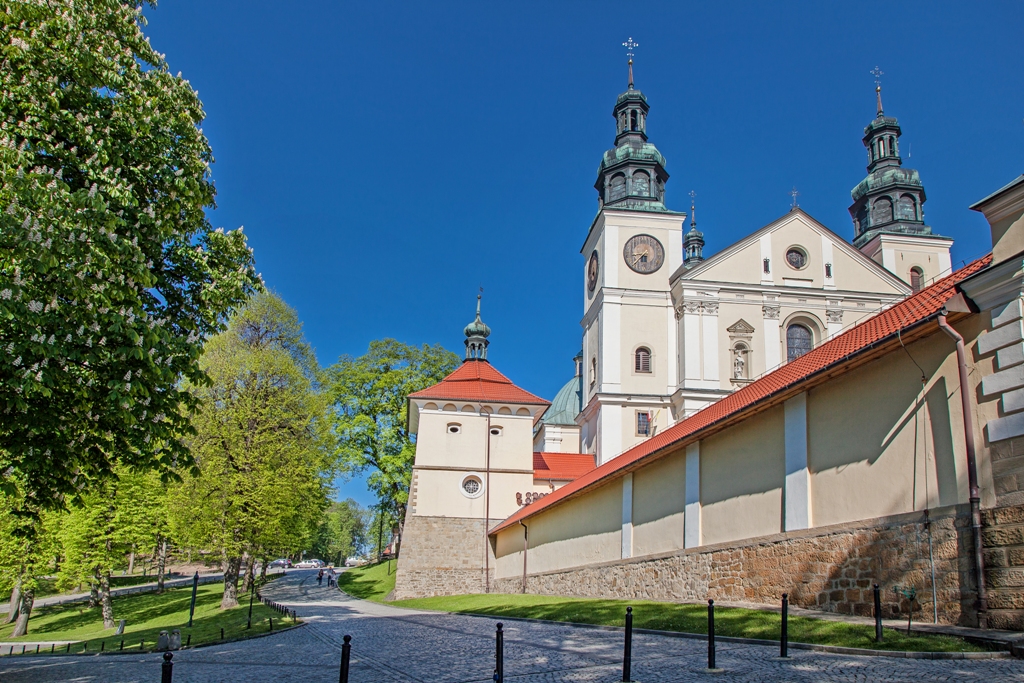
(796,413)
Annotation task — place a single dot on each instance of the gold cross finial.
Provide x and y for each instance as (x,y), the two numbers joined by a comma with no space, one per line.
(630,44)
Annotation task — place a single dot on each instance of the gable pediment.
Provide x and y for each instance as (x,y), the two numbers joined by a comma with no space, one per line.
(741,326)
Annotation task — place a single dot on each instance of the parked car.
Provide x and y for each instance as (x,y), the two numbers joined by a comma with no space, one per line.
(283,563)
(309,564)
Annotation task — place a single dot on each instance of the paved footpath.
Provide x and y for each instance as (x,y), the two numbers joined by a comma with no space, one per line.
(391,644)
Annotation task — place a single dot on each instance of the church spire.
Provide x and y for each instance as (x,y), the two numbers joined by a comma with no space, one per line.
(476,335)
(632,174)
(693,241)
(890,199)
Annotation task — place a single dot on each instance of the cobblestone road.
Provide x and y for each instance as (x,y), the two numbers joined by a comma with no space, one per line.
(391,644)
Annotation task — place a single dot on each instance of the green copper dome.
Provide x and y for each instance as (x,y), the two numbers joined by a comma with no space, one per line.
(567,404)
(645,152)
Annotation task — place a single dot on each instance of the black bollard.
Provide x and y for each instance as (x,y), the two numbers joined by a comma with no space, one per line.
(52,647)
(166,668)
(22,649)
(192,605)
(69,648)
(878,614)
(271,623)
(142,645)
(346,654)
(627,648)
(37,648)
(499,654)
(122,644)
(222,633)
(784,640)
(103,645)
(711,634)
(188,641)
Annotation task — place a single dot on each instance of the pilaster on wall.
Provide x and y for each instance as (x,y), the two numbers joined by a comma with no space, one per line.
(691,514)
(627,516)
(797,493)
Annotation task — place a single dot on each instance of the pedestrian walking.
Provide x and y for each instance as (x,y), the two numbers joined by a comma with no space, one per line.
(320,578)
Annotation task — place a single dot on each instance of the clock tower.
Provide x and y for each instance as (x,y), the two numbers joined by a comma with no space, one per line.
(629,331)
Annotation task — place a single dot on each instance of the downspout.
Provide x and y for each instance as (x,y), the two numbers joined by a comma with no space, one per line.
(526,546)
(487,510)
(972,468)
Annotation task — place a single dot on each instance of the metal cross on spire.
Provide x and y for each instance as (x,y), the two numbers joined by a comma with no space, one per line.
(693,210)
(878,73)
(630,44)
(793,193)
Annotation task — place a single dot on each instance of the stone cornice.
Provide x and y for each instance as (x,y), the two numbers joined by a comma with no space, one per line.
(997,285)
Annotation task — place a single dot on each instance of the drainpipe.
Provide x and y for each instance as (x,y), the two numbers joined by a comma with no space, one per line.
(526,546)
(972,468)
(487,510)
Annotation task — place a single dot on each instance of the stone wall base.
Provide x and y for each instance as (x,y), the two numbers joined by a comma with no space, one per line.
(830,569)
(443,556)
(1002,537)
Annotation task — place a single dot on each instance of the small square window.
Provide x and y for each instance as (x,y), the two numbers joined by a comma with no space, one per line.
(643,424)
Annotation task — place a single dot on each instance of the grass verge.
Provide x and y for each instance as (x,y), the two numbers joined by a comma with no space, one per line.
(147,615)
(667,616)
(369,582)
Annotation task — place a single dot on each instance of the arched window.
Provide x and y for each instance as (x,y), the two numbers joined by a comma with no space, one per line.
(906,209)
(593,371)
(799,341)
(632,120)
(881,211)
(618,189)
(641,184)
(916,279)
(642,360)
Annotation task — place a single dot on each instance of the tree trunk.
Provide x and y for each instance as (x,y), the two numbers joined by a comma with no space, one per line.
(105,604)
(12,611)
(250,573)
(231,567)
(162,565)
(94,593)
(131,561)
(263,570)
(28,598)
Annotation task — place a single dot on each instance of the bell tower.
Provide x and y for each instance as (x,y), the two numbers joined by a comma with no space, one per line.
(633,246)
(888,208)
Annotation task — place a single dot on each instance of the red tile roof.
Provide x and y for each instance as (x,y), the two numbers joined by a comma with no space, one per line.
(477,380)
(562,466)
(833,353)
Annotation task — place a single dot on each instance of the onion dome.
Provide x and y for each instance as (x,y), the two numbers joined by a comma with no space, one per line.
(476,336)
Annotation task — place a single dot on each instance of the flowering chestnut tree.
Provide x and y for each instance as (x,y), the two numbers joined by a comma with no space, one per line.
(111,277)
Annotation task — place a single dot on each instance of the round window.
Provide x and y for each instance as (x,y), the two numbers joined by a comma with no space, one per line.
(472,486)
(796,257)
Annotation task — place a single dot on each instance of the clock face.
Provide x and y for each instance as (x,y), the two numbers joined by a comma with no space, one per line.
(593,268)
(644,254)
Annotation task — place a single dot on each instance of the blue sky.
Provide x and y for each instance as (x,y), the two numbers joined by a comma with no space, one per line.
(388,158)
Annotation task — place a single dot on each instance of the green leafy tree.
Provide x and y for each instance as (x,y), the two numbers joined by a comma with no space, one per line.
(28,551)
(370,413)
(111,277)
(342,532)
(264,462)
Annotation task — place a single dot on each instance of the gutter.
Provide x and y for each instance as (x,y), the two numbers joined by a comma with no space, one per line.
(972,469)
(526,547)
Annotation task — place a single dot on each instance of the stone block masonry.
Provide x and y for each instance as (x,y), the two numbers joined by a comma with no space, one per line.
(443,556)
(831,569)
(1003,540)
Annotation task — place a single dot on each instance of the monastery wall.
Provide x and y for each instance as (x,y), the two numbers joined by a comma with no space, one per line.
(830,569)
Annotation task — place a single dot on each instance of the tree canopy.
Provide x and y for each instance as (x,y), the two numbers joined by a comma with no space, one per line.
(111,276)
(370,413)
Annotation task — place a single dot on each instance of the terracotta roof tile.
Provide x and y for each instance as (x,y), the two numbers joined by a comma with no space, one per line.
(562,466)
(907,313)
(477,380)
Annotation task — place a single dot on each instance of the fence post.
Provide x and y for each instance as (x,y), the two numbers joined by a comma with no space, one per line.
(878,614)
(166,668)
(627,649)
(499,654)
(711,634)
(784,640)
(346,654)
(192,606)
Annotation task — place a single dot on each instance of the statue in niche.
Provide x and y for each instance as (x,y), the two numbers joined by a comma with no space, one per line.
(738,364)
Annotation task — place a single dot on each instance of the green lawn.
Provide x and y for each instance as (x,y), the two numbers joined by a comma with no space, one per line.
(369,582)
(667,616)
(48,585)
(147,615)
